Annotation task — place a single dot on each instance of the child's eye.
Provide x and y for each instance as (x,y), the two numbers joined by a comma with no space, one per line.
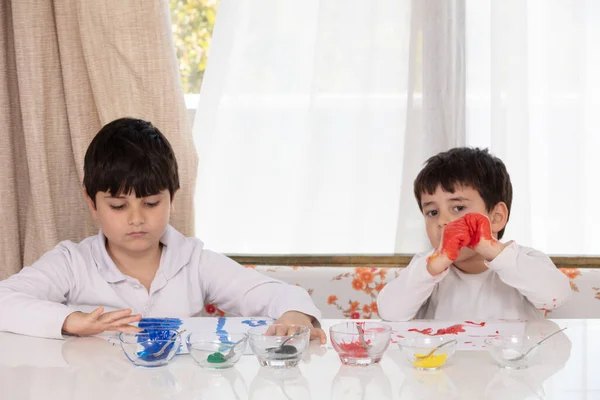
(153,204)
(117,207)
(431,213)
(460,208)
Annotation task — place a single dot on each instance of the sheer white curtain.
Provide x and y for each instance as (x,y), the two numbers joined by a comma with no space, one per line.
(533,97)
(300,126)
(315,117)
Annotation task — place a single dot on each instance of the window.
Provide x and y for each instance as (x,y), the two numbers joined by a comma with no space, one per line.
(192,22)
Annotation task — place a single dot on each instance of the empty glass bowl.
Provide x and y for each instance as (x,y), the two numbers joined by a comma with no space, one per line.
(508,350)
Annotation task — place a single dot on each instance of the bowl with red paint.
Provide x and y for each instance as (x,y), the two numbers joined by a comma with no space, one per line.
(346,341)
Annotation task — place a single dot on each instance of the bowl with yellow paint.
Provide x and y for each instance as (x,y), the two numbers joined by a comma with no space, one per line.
(417,348)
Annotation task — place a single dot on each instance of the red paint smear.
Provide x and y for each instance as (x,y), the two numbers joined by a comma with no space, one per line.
(553,299)
(432,257)
(374,329)
(468,342)
(353,349)
(451,330)
(464,232)
(482,324)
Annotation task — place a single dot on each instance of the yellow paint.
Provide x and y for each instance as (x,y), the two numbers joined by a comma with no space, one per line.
(433,361)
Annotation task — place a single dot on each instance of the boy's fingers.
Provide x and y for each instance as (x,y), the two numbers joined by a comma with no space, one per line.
(270,331)
(126,328)
(126,320)
(291,330)
(112,316)
(281,331)
(318,333)
(97,312)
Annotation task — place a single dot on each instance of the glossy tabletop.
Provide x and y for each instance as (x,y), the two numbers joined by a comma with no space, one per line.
(93,368)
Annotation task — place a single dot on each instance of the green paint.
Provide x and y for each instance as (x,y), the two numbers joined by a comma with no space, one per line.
(216,358)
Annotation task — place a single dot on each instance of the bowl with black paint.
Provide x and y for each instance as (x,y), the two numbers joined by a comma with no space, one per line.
(279,345)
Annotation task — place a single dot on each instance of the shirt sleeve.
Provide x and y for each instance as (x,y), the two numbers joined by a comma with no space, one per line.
(401,299)
(533,274)
(246,292)
(32,302)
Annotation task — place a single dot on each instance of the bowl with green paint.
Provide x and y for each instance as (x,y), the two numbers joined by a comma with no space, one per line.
(216,351)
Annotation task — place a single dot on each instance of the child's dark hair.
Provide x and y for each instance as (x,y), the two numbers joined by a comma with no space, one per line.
(130,154)
(464,166)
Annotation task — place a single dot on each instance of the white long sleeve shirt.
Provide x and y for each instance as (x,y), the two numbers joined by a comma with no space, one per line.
(519,283)
(82,276)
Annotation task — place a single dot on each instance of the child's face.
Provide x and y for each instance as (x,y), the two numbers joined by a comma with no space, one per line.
(443,207)
(131,224)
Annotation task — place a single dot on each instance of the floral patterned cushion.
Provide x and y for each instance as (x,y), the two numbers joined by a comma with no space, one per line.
(348,292)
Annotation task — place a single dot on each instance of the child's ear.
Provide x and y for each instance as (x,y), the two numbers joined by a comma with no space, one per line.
(173,203)
(499,217)
(91,205)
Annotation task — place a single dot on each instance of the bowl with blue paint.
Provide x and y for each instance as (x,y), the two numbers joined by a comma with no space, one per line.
(152,347)
(216,351)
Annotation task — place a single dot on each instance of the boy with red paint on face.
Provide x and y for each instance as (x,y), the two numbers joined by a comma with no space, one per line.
(465,196)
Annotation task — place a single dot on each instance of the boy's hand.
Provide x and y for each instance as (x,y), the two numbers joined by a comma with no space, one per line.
(298,318)
(472,230)
(86,324)
(455,236)
(482,240)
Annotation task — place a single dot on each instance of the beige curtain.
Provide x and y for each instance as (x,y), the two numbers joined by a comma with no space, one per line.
(67,67)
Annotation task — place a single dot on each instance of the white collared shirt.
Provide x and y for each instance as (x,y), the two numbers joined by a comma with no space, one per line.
(520,283)
(82,276)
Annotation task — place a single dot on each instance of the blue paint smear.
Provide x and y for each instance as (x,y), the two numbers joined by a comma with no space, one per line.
(157,329)
(160,323)
(221,332)
(254,322)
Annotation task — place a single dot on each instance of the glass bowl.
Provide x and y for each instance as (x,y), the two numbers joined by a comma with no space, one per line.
(505,350)
(345,339)
(279,351)
(150,348)
(415,348)
(214,351)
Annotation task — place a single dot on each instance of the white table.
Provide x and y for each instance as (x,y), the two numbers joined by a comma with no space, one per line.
(92,368)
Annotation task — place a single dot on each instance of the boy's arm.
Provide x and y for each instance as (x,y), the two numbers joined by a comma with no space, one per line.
(245,292)
(32,301)
(533,274)
(401,299)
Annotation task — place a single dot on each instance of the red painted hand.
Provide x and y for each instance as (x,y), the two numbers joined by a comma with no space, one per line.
(467,231)
(480,228)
